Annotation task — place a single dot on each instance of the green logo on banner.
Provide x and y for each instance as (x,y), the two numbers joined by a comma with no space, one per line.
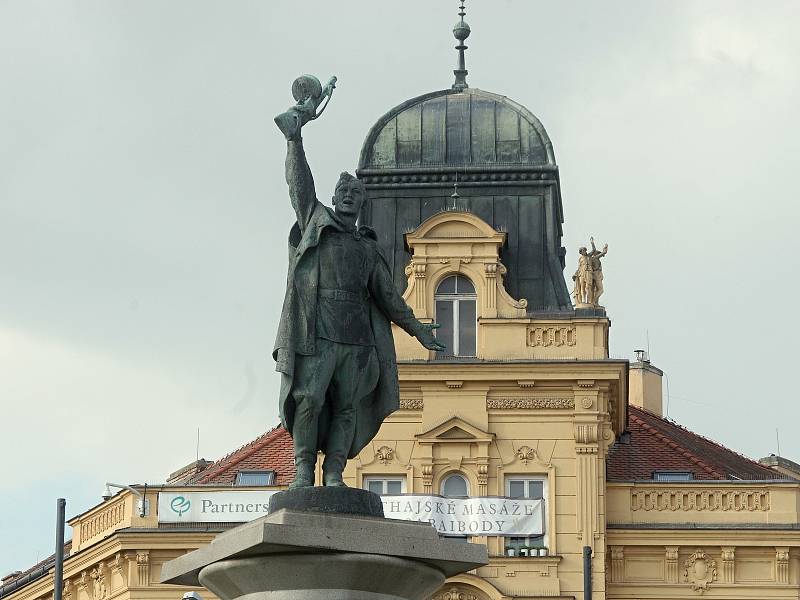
(180,505)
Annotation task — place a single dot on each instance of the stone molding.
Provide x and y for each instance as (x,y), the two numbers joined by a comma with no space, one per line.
(551,336)
(700,500)
(530,403)
(412,403)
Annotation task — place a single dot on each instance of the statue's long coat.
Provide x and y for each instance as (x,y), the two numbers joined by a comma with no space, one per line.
(297,335)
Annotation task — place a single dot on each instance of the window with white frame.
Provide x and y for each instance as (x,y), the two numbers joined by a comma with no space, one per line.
(385,485)
(534,488)
(456,314)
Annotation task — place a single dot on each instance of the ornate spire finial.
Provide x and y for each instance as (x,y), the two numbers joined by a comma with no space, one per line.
(461,32)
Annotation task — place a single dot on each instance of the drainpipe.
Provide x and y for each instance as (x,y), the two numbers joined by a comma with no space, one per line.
(58,582)
(587,573)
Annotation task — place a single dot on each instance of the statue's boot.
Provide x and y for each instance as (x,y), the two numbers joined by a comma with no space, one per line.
(304,435)
(340,438)
(304,475)
(332,468)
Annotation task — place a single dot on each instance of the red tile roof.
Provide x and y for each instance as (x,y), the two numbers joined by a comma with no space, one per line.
(272,451)
(653,443)
(22,578)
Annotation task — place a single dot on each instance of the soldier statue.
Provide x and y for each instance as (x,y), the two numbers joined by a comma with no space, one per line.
(334,347)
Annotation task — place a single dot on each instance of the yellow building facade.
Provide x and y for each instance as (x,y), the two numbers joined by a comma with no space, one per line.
(464,194)
(540,406)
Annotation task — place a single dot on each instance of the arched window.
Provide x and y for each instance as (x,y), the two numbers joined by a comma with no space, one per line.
(456,313)
(455,486)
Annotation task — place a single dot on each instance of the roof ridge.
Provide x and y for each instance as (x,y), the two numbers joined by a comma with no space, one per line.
(674,423)
(666,441)
(246,450)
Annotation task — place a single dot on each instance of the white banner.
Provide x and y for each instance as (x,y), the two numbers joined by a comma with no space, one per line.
(490,516)
(213,506)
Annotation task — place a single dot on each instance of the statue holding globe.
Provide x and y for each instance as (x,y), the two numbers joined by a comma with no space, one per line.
(334,347)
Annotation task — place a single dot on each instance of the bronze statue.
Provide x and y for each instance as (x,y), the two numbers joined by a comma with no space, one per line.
(334,348)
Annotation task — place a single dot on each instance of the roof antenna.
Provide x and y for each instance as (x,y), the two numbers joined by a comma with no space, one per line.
(461,32)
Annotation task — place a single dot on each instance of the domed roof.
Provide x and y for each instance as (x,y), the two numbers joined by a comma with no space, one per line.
(457,128)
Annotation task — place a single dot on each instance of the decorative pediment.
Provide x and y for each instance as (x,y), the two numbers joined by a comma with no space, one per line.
(454,242)
(455,429)
(455,225)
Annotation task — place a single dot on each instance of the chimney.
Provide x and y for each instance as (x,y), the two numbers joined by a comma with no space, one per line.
(644,384)
(782,465)
(183,474)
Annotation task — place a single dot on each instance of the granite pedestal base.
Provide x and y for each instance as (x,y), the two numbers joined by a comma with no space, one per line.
(293,555)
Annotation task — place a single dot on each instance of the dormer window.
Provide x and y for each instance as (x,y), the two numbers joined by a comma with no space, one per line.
(255,478)
(456,313)
(673,476)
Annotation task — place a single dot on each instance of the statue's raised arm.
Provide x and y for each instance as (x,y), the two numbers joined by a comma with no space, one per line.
(310,95)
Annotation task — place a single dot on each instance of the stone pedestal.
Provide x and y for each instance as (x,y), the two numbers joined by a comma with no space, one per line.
(297,555)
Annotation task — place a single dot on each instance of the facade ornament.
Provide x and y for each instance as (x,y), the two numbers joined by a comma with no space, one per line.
(454,593)
(728,556)
(483,479)
(427,478)
(412,403)
(552,336)
(586,433)
(100,586)
(84,586)
(143,567)
(617,564)
(66,593)
(700,570)
(385,455)
(589,277)
(700,500)
(530,403)
(526,454)
(119,564)
(671,559)
(782,564)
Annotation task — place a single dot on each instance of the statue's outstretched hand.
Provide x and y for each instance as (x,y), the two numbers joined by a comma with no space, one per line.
(427,339)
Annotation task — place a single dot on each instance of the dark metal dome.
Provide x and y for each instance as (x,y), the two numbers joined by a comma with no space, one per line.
(457,128)
(500,158)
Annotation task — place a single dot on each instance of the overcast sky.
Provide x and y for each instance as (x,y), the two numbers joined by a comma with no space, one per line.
(143,212)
